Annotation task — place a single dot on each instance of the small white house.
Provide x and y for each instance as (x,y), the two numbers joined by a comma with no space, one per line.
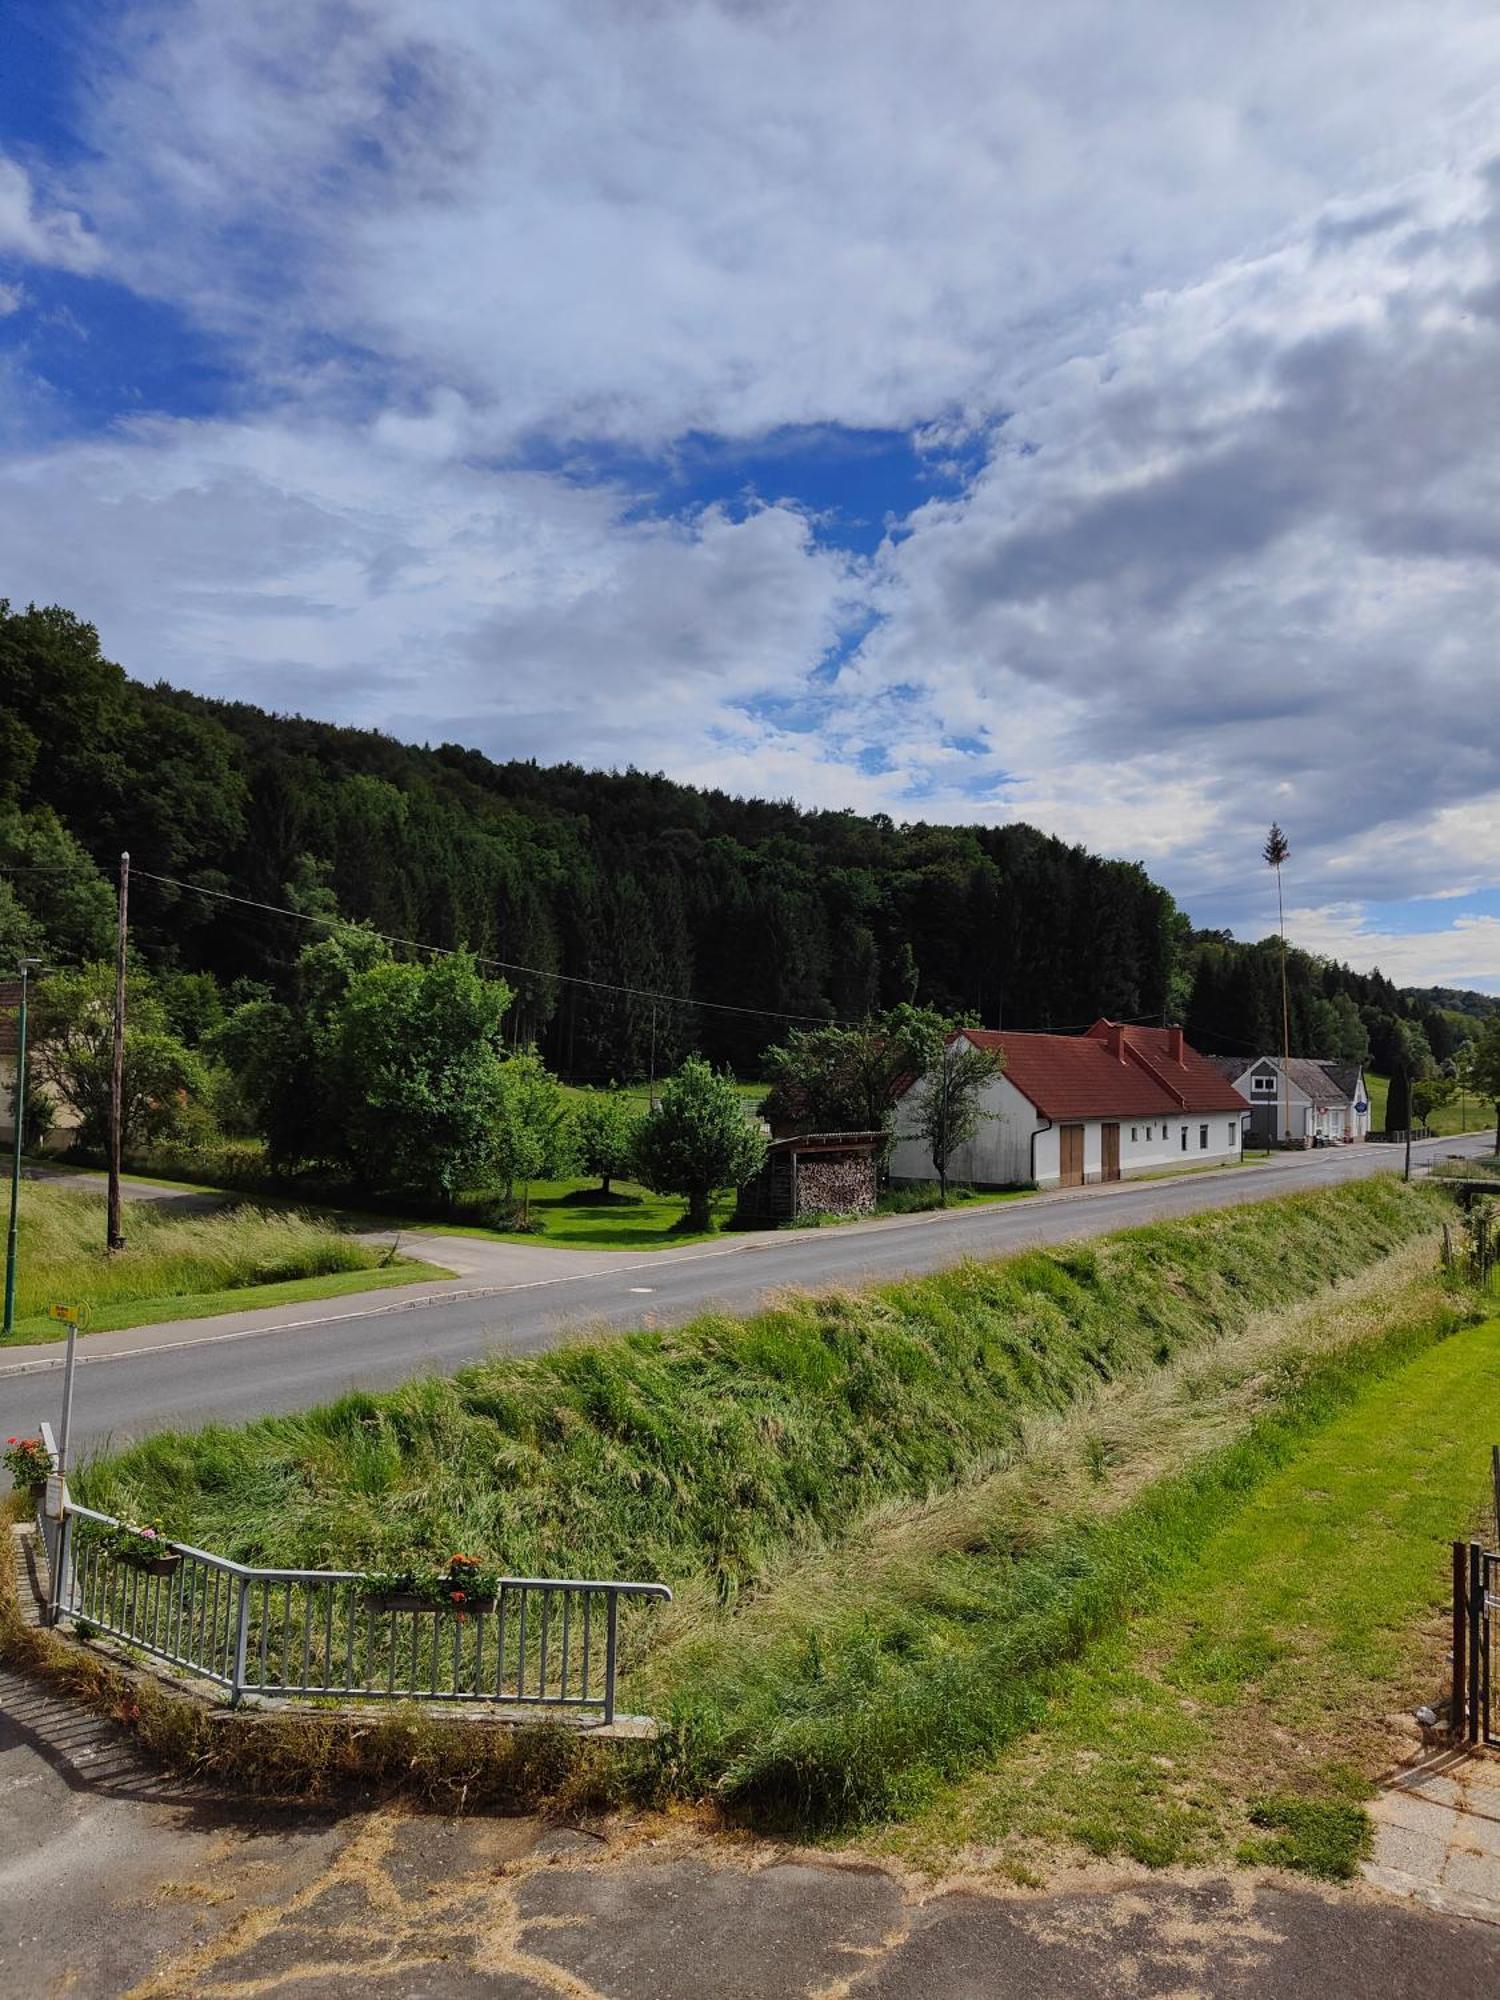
(1303,1102)
(1070,1109)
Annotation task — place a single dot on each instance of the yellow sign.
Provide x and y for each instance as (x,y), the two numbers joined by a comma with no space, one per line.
(72,1315)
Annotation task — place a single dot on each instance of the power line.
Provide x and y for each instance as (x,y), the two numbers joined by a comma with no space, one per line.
(497,964)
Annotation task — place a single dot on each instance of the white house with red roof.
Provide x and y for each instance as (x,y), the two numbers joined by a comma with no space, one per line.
(1071,1109)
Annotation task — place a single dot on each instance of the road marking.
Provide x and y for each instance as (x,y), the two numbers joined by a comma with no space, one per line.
(1141,1189)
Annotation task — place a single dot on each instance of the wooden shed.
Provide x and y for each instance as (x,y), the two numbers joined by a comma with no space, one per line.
(828,1173)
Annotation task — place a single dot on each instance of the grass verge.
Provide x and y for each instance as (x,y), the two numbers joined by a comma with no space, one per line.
(1243,1713)
(171,1259)
(245,1298)
(707,1451)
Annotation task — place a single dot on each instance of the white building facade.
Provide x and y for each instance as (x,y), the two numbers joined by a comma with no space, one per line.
(1070,1110)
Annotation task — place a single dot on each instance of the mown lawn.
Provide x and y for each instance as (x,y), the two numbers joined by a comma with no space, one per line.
(1242,1715)
(1465,1114)
(177,1265)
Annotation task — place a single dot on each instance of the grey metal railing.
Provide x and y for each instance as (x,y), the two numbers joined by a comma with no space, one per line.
(548,1643)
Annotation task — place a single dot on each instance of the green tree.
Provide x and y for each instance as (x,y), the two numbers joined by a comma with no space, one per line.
(1398,1103)
(416,1059)
(697,1140)
(72,1031)
(1482,1068)
(530,1139)
(948,1103)
(603,1136)
(1431,1093)
(846,1078)
(1351,1038)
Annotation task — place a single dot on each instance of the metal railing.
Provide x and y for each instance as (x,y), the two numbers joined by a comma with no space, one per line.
(550,1643)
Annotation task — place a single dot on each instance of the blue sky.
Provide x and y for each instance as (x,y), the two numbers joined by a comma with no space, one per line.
(974,412)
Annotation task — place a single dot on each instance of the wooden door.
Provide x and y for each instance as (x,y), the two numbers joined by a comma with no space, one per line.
(1070,1153)
(1111,1134)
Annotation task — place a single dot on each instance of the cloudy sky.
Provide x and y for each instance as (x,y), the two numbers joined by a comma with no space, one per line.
(1081,413)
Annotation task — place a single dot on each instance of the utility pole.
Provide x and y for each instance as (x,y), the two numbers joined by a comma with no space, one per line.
(116,1234)
(18,1117)
(1275,851)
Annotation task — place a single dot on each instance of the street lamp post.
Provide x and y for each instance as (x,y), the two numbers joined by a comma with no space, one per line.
(27,966)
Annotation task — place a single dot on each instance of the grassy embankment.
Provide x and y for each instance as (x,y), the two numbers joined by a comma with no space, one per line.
(892,1518)
(178,1266)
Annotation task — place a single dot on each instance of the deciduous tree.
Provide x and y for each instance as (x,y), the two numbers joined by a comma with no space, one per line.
(603,1136)
(697,1140)
(948,1101)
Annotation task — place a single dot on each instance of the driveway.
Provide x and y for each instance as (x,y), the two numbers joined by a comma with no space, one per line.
(521,1298)
(116,1882)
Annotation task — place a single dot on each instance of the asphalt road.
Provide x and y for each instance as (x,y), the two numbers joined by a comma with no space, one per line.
(211,1370)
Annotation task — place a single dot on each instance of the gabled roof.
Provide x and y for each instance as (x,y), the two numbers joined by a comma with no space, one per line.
(1081,1076)
(1330,1084)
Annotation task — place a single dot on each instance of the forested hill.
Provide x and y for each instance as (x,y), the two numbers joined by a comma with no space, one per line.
(625,880)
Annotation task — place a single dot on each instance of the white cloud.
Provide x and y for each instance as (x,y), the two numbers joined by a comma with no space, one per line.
(629,222)
(1224,338)
(367,574)
(39,232)
(1463,953)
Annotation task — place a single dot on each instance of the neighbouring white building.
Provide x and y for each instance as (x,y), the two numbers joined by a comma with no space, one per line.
(1070,1109)
(1320,1102)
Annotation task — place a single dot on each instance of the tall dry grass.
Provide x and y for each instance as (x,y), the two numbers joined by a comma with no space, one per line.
(169,1255)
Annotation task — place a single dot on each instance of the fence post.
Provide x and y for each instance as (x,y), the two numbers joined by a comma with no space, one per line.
(1459,1699)
(611,1647)
(60,1592)
(241,1641)
(1476,1634)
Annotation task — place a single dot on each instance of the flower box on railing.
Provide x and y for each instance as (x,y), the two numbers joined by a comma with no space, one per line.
(461,1587)
(411,1600)
(144,1549)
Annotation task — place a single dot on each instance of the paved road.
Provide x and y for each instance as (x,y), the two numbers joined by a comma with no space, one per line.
(122,1885)
(517,1299)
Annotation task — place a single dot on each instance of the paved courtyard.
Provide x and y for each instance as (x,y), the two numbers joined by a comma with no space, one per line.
(118,1884)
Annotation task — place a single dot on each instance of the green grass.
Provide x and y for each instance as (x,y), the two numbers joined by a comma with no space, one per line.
(170,1258)
(1467,1114)
(710,1449)
(1298,1600)
(244,1298)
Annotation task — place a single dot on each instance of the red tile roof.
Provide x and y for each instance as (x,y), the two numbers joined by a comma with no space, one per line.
(1082,1076)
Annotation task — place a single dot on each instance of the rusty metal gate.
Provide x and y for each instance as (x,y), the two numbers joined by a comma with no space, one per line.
(1474,1710)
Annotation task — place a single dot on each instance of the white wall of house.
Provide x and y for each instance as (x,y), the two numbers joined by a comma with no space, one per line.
(1001,1153)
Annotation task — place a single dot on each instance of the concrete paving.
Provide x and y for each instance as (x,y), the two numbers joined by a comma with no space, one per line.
(120,1885)
(521,1298)
(1437,1834)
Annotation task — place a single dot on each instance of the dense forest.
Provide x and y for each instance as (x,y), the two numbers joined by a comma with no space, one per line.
(595,891)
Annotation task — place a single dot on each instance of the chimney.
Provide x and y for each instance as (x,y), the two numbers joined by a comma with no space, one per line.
(1114,1040)
(1174,1044)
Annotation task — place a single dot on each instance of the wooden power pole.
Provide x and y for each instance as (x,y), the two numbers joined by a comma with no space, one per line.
(117,1060)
